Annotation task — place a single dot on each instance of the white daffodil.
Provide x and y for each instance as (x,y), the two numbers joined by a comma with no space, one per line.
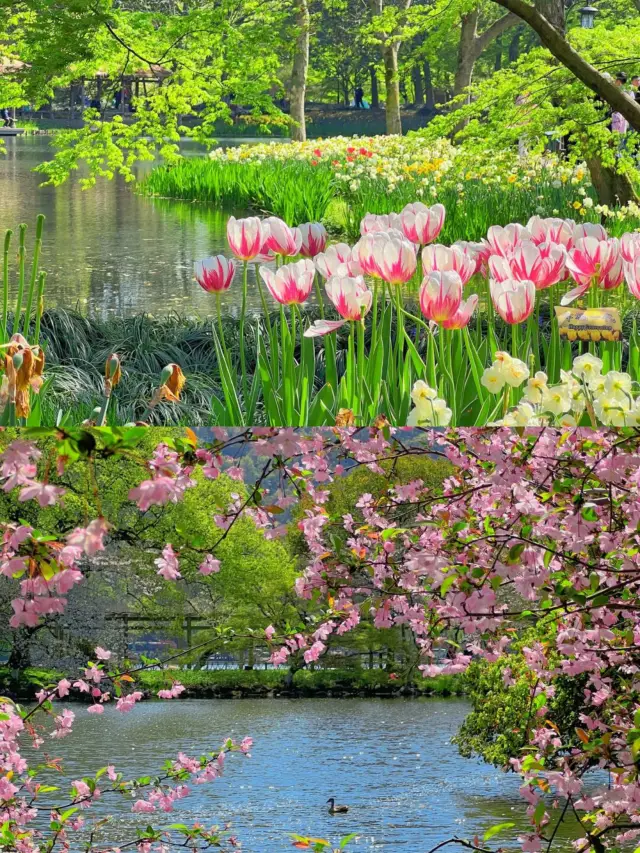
(536,387)
(587,366)
(493,379)
(557,400)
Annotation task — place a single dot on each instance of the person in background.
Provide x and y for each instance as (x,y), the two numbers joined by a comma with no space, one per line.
(635,87)
(358,97)
(7,118)
(619,124)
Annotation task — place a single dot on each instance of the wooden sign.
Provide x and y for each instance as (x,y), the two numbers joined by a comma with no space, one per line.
(589,324)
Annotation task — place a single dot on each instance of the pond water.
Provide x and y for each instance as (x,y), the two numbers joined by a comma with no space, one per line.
(109,251)
(391,761)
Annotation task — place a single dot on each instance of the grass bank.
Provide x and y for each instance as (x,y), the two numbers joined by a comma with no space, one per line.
(234,684)
(321,682)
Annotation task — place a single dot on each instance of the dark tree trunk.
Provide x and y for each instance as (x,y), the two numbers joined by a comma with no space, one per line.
(430,98)
(514,46)
(418,88)
(497,65)
(375,94)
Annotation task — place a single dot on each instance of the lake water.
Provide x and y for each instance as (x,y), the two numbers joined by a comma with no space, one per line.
(108,250)
(391,761)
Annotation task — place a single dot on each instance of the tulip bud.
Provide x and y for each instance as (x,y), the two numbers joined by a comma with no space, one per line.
(112,372)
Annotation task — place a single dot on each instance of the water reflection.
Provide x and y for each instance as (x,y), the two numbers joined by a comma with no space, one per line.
(390,760)
(107,250)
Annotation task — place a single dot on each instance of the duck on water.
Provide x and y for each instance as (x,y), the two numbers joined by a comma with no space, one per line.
(334,809)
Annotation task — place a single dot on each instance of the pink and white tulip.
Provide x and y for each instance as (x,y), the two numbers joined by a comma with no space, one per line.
(480,252)
(314,239)
(441,296)
(589,229)
(350,297)
(552,230)
(544,264)
(630,246)
(422,224)
(281,239)
(503,241)
(292,283)
(445,258)
(215,274)
(513,300)
(632,275)
(245,237)
(394,258)
(372,223)
(337,256)
(595,261)
(464,313)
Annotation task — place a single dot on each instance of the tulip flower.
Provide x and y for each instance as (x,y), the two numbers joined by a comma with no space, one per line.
(373,223)
(445,258)
(513,300)
(480,252)
(364,254)
(630,246)
(349,295)
(464,313)
(314,239)
(395,258)
(351,298)
(552,230)
(215,274)
(441,296)
(336,256)
(282,239)
(499,268)
(544,264)
(245,237)
(422,224)
(632,275)
(291,284)
(503,241)
(594,261)
(589,229)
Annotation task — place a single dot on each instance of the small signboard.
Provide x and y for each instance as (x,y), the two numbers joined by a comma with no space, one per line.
(589,324)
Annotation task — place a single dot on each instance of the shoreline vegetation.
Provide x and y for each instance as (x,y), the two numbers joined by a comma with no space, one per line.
(255,684)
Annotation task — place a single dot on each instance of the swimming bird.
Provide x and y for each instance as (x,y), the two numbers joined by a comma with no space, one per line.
(334,809)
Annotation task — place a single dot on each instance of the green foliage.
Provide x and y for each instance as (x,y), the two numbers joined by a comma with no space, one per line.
(496,729)
(305,681)
(296,191)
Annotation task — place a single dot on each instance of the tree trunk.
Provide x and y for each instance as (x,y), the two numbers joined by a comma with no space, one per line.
(430,98)
(392,85)
(299,72)
(418,89)
(497,65)
(612,188)
(375,94)
(553,10)
(514,47)
(466,54)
